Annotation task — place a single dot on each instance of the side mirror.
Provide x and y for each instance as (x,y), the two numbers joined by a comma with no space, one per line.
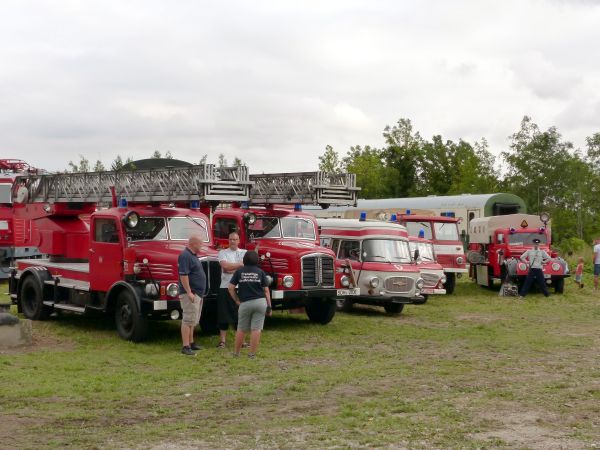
(131,219)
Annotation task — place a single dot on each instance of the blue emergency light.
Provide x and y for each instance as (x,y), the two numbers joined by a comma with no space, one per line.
(408,212)
(363,216)
(297,207)
(123,203)
(394,218)
(244,205)
(421,233)
(195,204)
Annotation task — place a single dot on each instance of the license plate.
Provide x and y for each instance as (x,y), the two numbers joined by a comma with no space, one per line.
(427,291)
(345,292)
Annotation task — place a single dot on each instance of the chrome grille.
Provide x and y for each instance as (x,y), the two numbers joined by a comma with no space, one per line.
(399,284)
(318,271)
(430,279)
(212,269)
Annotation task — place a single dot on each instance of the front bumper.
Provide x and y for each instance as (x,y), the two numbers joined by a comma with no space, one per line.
(433,291)
(280,294)
(456,269)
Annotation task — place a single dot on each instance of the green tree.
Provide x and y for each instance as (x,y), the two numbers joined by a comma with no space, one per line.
(99,167)
(329,161)
(237,162)
(368,165)
(168,155)
(117,164)
(401,156)
(83,166)
(156,155)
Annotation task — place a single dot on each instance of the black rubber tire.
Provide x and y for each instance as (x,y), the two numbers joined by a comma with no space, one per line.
(450,283)
(321,310)
(559,285)
(343,304)
(393,308)
(32,300)
(131,326)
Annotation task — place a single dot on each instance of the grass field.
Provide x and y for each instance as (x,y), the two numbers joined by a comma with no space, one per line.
(472,370)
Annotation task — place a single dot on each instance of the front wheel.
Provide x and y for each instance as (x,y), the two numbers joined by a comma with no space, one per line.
(321,310)
(393,308)
(32,300)
(131,326)
(450,283)
(559,285)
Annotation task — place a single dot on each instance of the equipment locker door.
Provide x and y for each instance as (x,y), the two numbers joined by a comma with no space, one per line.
(106,253)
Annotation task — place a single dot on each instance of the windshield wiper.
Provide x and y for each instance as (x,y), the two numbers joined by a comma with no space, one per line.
(197,223)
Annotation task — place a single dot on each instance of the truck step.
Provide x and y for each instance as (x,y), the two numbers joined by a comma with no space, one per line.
(66,307)
(71,284)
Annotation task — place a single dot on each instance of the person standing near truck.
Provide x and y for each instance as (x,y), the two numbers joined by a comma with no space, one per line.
(536,258)
(192,287)
(254,300)
(596,263)
(230,260)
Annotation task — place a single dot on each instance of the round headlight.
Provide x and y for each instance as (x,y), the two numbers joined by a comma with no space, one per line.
(131,219)
(374,282)
(174,314)
(345,280)
(151,290)
(172,290)
(420,283)
(288,281)
(555,266)
(443,279)
(522,266)
(460,260)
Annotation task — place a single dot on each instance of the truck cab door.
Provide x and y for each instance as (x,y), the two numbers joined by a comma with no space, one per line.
(106,253)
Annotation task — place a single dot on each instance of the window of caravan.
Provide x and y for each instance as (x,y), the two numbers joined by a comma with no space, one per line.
(386,250)
(526,238)
(414,228)
(446,231)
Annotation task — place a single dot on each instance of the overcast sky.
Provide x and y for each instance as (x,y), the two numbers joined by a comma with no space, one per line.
(274,82)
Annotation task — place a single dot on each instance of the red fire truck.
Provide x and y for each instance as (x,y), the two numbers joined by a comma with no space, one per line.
(14,231)
(443,232)
(381,263)
(432,272)
(497,242)
(125,261)
(286,238)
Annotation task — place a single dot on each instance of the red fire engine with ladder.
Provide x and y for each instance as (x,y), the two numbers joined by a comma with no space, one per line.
(125,261)
(304,273)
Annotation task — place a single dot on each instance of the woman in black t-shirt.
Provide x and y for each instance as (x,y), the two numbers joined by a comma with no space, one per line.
(254,300)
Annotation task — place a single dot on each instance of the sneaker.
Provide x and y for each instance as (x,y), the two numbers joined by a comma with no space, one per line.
(188,351)
(235,355)
(193,346)
(251,355)
(221,344)
(245,345)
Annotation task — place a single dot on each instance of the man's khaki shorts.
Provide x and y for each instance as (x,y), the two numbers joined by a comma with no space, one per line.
(191,311)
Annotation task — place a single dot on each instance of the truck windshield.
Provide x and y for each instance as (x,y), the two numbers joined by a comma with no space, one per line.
(446,231)
(414,228)
(389,250)
(185,227)
(148,229)
(298,227)
(526,238)
(425,250)
(180,228)
(264,227)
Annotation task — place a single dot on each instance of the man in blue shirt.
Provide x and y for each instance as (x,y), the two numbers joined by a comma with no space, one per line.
(192,287)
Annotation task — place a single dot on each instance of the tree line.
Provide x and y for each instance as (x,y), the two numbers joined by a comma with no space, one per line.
(539,166)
